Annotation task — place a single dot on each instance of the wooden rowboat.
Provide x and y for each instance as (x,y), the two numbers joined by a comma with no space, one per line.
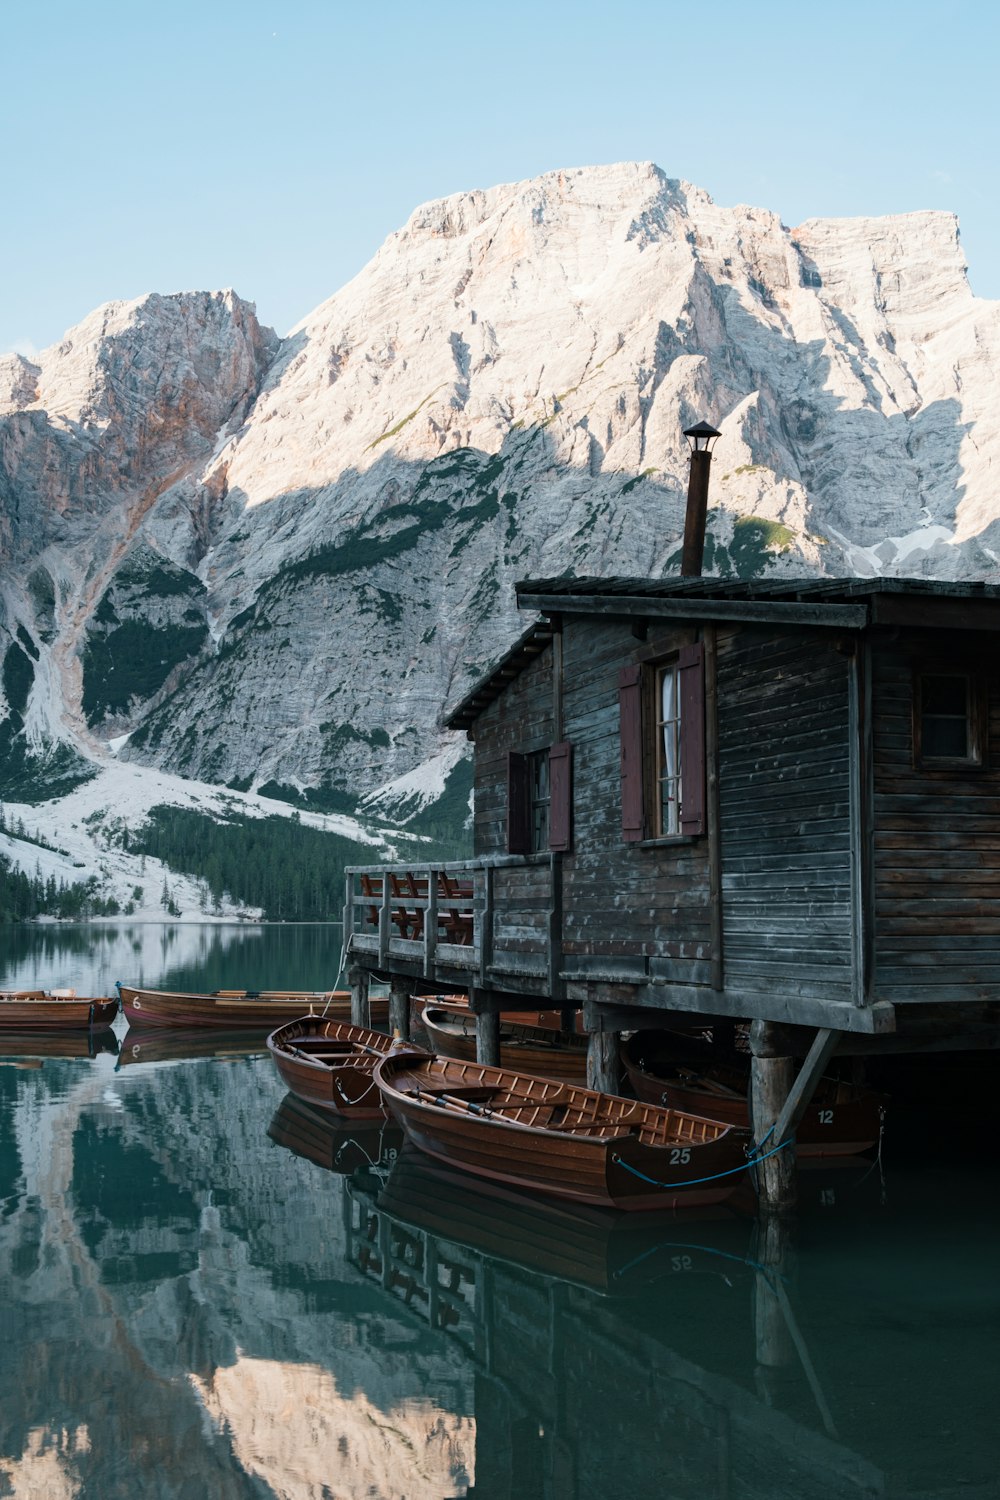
(244,1010)
(330,1064)
(59,1010)
(539,1050)
(557,1139)
(547,1020)
(841,1120)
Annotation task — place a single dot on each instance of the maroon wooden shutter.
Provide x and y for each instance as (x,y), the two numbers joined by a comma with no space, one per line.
(518,804)
(561,796)
(691,681)
(630,705)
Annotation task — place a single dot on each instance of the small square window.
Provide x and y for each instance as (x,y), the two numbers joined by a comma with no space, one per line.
(949,719)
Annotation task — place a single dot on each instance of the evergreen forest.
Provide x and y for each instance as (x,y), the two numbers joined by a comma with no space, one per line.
(295,873)
(24,897)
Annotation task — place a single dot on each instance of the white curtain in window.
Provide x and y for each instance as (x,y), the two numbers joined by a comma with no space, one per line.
(668,710)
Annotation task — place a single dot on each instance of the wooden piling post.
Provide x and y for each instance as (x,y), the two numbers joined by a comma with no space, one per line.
(399,1007)
(488,1038)
(770,1083)
(602,1061)
(358,979)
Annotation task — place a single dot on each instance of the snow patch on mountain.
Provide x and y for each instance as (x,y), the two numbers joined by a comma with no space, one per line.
(420,788)
(84,829)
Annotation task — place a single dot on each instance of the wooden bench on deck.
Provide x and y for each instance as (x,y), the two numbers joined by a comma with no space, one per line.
(455,921)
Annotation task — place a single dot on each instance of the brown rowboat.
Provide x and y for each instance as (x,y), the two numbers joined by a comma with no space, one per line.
(557,1139)
(540,1050)
(841,1120)
(329,1064)
(42,1010)
(243,1010)
(546,1020)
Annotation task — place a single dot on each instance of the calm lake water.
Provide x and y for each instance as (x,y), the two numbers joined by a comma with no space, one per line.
(207,1291)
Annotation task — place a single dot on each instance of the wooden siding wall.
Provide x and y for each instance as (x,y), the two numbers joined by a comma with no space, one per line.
(620,899)
(937,841)
(783,716)
(521,719)
(522,900)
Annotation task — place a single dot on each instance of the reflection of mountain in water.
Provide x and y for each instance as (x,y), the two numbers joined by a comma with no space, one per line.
(173,1270)
(191,1308)
(171,956)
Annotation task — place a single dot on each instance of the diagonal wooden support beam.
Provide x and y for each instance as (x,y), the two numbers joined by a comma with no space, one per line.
(802,1090)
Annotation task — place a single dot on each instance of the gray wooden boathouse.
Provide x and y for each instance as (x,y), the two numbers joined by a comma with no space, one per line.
(776,801)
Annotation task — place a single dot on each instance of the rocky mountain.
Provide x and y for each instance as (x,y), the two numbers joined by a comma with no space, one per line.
(269,563)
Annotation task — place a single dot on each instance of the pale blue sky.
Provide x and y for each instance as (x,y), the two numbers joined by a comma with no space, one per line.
(271,147)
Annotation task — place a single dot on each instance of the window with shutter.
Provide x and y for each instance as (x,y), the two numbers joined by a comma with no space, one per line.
(691,696)
(662,709)
(530,794)
(539,799)
(630,707)
(561,792)
(518,804)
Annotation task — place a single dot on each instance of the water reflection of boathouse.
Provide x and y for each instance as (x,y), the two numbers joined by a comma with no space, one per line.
(535,1342)
(684,1361)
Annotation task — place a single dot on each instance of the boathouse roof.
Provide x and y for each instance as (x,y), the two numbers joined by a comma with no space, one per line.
(839,603)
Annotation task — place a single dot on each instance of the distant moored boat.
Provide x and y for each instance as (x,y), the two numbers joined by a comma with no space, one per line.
(841,1120)
(542,1050)
(244,1010)
(60,1010)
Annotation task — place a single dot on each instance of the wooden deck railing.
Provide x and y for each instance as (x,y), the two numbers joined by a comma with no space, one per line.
(473,917)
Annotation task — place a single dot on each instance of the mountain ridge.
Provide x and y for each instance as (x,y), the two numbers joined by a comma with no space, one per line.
(269,564)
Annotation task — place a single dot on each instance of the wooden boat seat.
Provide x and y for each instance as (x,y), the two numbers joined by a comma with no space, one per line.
(476,1093)
(331,1055)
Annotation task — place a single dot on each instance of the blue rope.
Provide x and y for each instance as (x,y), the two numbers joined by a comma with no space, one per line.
(753,1158)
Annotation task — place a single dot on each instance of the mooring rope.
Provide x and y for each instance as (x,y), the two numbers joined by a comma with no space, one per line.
(753,1159)
(344,1095)
(340,970)
(878,1158)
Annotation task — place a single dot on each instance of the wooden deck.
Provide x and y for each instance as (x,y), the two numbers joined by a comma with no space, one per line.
(471,924)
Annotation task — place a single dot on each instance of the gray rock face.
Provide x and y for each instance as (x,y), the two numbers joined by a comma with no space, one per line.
(276,562)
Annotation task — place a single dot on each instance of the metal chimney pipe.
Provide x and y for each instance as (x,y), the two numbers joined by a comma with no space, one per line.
(701,438)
